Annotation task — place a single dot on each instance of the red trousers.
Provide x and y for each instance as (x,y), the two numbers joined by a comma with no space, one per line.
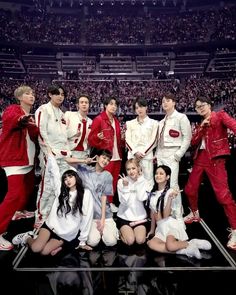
(114,168)
(20,187)
(217,174)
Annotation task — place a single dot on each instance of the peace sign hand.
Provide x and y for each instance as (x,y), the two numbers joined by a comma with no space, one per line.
(124,179)
(90,160)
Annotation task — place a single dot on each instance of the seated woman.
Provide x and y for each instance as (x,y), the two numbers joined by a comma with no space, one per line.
(170,235)
(69,220)
(132,216)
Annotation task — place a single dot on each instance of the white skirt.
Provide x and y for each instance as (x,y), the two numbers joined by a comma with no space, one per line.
(171,226)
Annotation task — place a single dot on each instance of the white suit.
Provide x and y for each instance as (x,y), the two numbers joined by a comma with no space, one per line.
(177,133)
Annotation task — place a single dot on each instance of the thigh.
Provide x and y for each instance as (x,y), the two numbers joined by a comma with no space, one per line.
(51,245)
(127,232)
(195,179)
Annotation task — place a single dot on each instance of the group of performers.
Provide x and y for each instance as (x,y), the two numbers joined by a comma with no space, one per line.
(80,161)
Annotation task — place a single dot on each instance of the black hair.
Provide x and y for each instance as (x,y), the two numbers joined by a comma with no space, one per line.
(109,99)
(170,95)
(142,102)
(104,152)
(54,89)
(64,205)
(160,202)
(203,99)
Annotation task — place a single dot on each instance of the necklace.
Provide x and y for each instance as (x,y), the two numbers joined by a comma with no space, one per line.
(56,110)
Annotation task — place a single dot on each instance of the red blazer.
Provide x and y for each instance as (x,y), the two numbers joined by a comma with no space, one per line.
(216,137)
(13,144)
(102,123)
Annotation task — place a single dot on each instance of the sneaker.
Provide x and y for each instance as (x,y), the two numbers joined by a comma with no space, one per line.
(21,239)
(113,207)
(201,244)
(232,239)
(4,244)
(190,251)
(192,217)
(23,214)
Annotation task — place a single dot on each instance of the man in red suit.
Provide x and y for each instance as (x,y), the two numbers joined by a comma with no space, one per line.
(210,143)
(106,134)
(17,155)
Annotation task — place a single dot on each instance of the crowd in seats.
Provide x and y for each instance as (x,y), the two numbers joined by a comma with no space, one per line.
(222,92)
(203,25)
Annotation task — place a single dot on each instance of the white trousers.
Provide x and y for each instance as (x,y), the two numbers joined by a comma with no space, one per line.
(109,236)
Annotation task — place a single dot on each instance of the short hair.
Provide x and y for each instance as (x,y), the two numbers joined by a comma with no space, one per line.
(19,91)
(107,100)
(54,89)
(82,95)
(142,102)
(170,95)
(203,99)
(104,152)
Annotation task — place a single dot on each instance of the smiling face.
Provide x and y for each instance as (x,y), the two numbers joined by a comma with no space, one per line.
(132,170)
(102,161)
(203,108)
(161,177)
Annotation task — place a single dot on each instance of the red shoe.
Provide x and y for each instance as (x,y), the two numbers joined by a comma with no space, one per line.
(4,244)
(192,217)
(232,240)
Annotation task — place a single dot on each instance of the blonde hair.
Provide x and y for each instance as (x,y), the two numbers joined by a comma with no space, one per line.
(21,90)
(134,161)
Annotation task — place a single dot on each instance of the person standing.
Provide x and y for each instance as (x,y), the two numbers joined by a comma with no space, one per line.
(78,128)
(210,143)
(52,136)
(140,137)
(173,141)
(17,157)
(106,134)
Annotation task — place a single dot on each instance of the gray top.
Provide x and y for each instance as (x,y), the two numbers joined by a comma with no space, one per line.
(100,184)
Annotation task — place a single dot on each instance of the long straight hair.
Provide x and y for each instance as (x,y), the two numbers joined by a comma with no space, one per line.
(64,205)
(160,202)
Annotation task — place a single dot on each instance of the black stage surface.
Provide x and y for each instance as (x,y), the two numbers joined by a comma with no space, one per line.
(129,270)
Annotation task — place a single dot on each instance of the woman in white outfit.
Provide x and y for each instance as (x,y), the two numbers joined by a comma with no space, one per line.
(132,216)
(170,235)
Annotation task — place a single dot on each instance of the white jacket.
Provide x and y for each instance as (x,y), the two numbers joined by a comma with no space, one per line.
(177,133)
(74,124)
(131,199)
(141,137)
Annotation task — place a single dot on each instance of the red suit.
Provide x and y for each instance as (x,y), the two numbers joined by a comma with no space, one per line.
(15,157)
(102,124)
(211,159)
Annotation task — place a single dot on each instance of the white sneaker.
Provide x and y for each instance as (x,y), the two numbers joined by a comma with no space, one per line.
(4,244)
(232,239)
(190,251)
(201,244)
(113,207)
(21,239)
